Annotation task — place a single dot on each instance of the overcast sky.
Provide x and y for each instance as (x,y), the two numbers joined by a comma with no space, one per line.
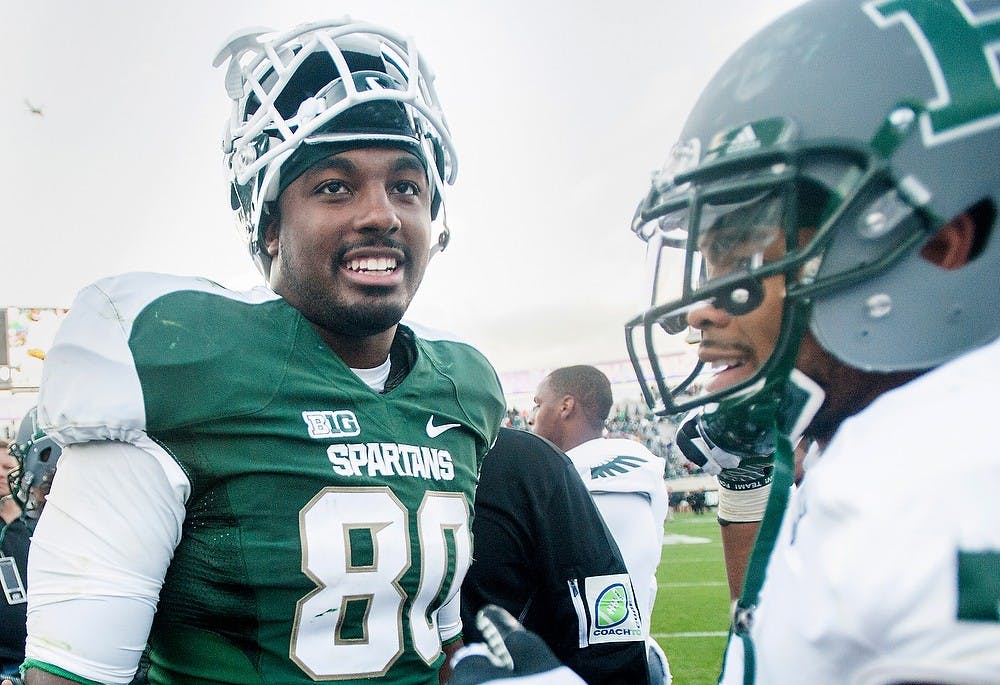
(559,110)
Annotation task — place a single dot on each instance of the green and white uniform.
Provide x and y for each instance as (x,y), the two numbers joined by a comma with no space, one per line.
(872,580)
(322,524)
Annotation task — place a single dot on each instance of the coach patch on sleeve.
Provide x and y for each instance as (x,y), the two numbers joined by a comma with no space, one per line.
(979,586)
(613,611)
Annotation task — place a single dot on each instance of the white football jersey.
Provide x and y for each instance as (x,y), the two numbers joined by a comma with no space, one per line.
(626,481)
(887,565)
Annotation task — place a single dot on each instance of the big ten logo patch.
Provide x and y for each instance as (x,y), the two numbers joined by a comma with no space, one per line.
(331,424)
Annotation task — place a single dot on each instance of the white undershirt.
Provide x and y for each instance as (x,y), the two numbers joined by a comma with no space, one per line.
(375,378)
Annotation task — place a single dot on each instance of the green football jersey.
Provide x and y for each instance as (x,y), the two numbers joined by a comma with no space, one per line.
(326,522)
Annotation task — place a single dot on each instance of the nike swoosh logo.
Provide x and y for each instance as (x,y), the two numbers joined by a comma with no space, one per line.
(434,431)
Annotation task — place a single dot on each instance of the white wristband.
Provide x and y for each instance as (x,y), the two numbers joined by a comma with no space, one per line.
(743,506)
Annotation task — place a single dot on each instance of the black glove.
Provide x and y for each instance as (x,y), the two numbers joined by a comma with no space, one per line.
(736,471)
(510,652)
(698,448)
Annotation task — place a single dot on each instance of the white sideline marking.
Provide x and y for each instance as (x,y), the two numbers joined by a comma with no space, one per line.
(721,633)
(677,539)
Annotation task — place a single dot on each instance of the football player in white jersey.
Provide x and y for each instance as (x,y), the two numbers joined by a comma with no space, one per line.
(825,231)
(830,208)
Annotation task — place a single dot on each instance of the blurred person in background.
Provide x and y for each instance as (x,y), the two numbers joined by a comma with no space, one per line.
(15,534)
(543,552)
(27,467)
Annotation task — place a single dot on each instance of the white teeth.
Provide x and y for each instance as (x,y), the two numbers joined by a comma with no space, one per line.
(372,264)
(726,363)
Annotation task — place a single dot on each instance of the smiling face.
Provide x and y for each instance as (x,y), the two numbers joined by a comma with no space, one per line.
(350,240)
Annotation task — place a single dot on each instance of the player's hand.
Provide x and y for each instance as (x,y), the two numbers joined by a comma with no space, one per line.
(509,653)
(698,448)
(741,435)
(735,471)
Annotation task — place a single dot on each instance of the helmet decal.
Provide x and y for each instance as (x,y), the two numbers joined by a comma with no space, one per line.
(960,49)
(813,169)
(750,136)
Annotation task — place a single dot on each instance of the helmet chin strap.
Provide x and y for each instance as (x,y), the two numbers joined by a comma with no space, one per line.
(769,422)
(785,400)
(802,400)
(753,580)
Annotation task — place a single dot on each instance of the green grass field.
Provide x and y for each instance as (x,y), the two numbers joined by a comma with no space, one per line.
(690,617)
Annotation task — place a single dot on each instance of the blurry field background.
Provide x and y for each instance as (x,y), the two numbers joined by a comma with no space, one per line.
(690,617)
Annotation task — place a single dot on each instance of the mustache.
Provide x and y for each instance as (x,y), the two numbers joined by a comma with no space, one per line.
(717,346)
(383,242)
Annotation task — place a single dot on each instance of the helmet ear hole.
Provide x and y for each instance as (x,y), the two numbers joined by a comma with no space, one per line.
(984,216)
(439,160)
(952,246)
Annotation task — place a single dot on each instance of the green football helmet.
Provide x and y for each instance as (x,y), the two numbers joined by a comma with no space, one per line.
(826,152)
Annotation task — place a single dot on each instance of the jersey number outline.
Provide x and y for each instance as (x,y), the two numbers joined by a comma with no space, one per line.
(328,641)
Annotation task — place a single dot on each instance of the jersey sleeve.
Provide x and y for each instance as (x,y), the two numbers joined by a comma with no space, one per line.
(91,387)
(449,619)
(101,548)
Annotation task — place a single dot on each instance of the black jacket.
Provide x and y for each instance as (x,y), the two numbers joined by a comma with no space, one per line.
(536,534)
(16,537)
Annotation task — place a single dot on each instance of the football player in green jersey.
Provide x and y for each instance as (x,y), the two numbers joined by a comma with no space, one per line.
(274,486)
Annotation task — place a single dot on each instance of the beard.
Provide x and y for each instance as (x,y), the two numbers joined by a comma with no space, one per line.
(849,391)
(354,321)
(374,313)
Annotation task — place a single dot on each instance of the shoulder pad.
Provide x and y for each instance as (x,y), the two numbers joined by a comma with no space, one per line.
(90,387)
(619,465)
